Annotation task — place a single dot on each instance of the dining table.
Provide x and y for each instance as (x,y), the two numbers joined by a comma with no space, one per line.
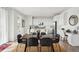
(27,36)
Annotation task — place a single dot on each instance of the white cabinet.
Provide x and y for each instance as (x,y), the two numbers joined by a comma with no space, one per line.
(73,39)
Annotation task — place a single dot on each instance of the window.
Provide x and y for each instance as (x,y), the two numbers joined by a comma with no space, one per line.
(3,25)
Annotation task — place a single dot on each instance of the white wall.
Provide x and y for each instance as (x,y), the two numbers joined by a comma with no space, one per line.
(15,16)
(72,11)
(63,19)
(60,23)
(18,29)
(13,27)
(63,22)
(47,21)
(28,22)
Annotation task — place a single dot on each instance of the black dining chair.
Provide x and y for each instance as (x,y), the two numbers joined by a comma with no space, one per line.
(43,33)
(22,43)
(32,44)
(34,33)
(46,42)
(56,41)
(19,38)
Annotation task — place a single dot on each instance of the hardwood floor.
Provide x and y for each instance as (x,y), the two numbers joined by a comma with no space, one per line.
(63,46)
(56,47)
(68,48)
(21,47)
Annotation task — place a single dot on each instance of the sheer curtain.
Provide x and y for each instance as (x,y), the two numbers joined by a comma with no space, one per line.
(3,25)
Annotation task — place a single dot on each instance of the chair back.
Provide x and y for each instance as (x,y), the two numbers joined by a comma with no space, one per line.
(43,33)
(24,41)
(45,42)
(33,41)
(34,33)
(57,38)
(19,38)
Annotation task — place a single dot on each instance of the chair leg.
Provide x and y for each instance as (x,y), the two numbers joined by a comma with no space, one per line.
(52,48)
(38,49)
(25,48)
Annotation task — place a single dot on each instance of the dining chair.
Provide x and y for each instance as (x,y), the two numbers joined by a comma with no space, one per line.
(21,43)
(32,44)
(34,33)
(56,42)
(43,33)
(46,45)
(56,38)
(19,38)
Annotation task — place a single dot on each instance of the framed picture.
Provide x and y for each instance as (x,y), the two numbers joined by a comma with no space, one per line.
(23,23)
(73,20)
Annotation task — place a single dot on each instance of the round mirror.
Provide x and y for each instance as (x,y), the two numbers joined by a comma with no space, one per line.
(73,20)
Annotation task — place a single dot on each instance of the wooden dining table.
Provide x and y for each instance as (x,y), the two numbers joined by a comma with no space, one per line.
(27,36)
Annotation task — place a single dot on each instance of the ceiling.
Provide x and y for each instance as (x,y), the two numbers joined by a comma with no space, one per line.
(41,11)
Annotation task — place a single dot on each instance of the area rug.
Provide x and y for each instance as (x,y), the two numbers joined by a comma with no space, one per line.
(4,46)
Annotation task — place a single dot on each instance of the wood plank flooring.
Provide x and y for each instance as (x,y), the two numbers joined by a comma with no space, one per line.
(21,47)
(63,46)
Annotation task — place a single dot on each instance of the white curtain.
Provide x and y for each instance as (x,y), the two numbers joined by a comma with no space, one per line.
(3,25)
